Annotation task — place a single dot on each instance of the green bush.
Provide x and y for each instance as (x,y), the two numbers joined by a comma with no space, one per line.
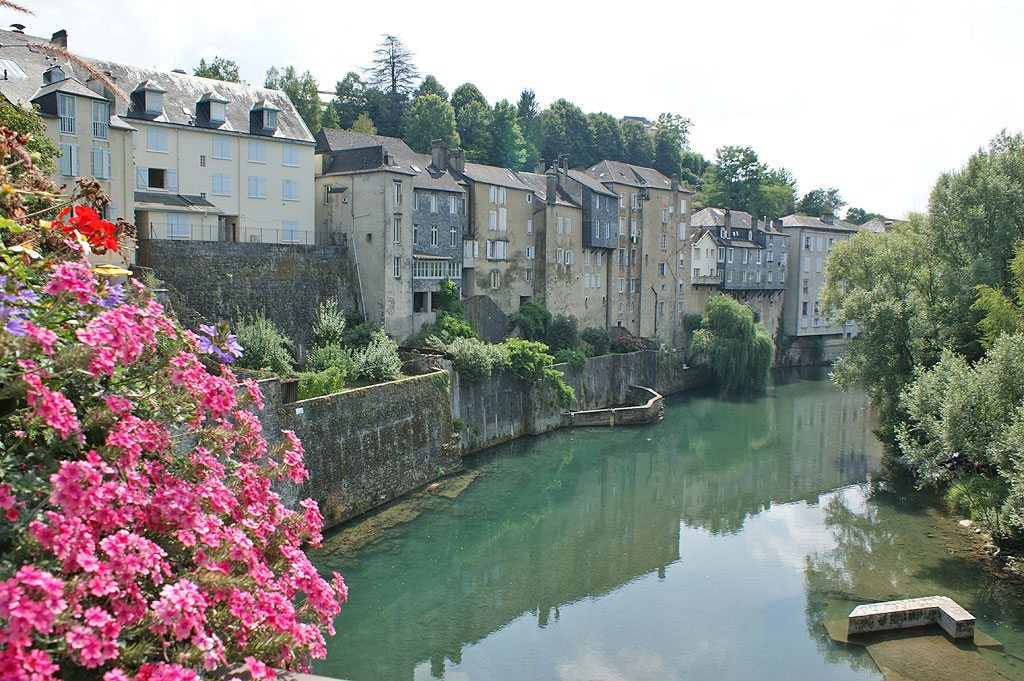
(563,333)
(476,360)
(527,359)
(329,326)
(327,382)
(449,328)
(359,336)
(450,303)
(574,357)
(379,361)
(533,320)
(566,395)
(598,339)
(624,344)
(738,350)
(323,357)
(264,347)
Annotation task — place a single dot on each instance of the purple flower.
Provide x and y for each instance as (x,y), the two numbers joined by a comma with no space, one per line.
(15,326)
(232,346)
(115,296)
(208,330)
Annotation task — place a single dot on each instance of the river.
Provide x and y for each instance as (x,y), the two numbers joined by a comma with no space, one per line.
(711,545)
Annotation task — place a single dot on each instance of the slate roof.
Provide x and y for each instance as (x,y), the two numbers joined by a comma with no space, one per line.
(400,158)
(538,182)
(591,183)
(502,177)
(181,202)
(182,91)
(631,175)
(715,217)
(818,223)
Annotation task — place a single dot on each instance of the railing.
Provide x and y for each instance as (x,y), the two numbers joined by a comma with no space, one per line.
(100,130)
(67,125)
(195,231)
(707,280)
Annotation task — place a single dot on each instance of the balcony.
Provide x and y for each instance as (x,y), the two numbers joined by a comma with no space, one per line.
(708,280)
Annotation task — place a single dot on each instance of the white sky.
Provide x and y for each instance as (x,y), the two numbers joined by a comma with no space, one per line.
(874,97)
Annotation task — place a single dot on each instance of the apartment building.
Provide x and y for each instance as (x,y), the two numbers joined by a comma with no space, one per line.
(812,239)
(92,140)
(735,252)
(402,216)
(650,293)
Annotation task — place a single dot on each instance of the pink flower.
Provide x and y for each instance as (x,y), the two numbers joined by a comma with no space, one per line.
(73,277)
(43,336)
(50,405)
(258,670)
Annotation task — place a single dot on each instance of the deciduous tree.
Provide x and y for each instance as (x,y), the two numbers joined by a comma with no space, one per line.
(473,123)
(567,131)
(302,90)
(430,118)
(639,145)
(738,350)
(430,86)
(508,148)
(819,201)
(218,69)
(608,140)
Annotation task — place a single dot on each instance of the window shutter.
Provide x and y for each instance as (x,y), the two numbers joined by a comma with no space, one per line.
(106,163)
(142,177)
(172,180)
(492,219)
(502,219)
(74,159)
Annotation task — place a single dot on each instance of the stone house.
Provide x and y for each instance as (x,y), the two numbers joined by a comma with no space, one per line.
(402,216)
(812,239)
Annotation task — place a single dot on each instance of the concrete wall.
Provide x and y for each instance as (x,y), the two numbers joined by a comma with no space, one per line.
(228,280)
(368,446)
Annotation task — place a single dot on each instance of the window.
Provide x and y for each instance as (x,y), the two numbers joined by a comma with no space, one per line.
(492,194)
(622,200)
(257,152)
(415,234)
(817,264)
(433,235)
(218,112)
(817,308)
(559,256)
(620,258)
(529,226)
(770,257)
(806,282)
(597,256)
(290,190)
(661,269)
(66,113)
(502,219)
(664,242)
(177,226)
(803,308)
(569,260)
(433,203)
(696,273)
(831,243)
(397,264)
(721,255)
(497,250)
(156,140)
(156,178)
(632,228)
(807,264)
(664,216)
(607,230)
(398,192)
(290,231)
(530,252)
(100,120)
(100,163)
(728,276)
(452,236)
(759,257)
(728,255)
(501,195)
(632,256)
(597,202)
(154,102)
(257,187)
(633,286)
(453,205)
(622,226)
(622,289)
(529,199)
(586,257)
(597,227)
(817,243)
(682,259)
(568,225)
(221,184)
(746,255)
(290,156)
(69,160)
(807,243)
(221,147)
(492,220)
(599,281)
(661,307)
(769,276)
(396,231)
(529,273)
(202,160)
(495,280)
(436,269)
(470,249)
(680,281)
(560,225)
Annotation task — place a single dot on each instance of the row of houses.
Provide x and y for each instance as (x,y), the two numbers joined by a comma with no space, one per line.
(614,245)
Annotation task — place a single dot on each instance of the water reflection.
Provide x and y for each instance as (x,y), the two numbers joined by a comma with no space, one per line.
(575,516)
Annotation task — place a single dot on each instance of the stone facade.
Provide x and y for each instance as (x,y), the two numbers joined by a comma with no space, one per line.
(231,280)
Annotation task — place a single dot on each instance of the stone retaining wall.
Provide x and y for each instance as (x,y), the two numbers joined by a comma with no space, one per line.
(651,409)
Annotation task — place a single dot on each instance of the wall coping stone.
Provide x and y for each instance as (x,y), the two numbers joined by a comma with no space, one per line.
(912,612)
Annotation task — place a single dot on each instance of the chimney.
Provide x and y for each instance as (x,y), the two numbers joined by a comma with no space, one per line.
(827,218)
(728,218)
(457,160)
(438,154)
(60,39)
(675,182)
(777,224)
(753,224)
(551,190)
(539,167)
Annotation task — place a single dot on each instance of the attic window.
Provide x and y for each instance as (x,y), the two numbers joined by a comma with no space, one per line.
(269,119)
(416,168)
(218,112)
(154,102)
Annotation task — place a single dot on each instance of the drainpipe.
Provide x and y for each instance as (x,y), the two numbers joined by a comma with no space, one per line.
(655,292)
(355,249)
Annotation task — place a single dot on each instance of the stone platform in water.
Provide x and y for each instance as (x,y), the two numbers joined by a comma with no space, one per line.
(924,653)
(912,612)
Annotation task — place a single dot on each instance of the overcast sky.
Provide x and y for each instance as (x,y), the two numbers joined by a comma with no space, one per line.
(873,97)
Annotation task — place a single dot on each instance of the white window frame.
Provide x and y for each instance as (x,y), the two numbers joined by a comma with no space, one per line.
(397,267)
(156,140)
(221,147)
(290,156)
(66,113)
(179,227)
(100,120)
(396,231)
(257,151)
(257,187)
(69,160)
(100,163)
(221,184)
(289,190)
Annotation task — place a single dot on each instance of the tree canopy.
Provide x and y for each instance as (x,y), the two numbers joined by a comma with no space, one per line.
(466,93)
(567,131)
(218,69)
(392,70)
(430,86)
(430,118)
(639,147)
(819,201)
(859,216)
(737,180)
(302,90)
(738,350)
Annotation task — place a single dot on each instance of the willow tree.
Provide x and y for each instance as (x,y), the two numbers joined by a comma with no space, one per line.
(738,350)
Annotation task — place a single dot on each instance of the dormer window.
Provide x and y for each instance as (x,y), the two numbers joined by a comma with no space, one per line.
(263,118)
(154,102)
(212,109)
(218,112)
(66,113)
(148,99)
(723,233)
(54,74)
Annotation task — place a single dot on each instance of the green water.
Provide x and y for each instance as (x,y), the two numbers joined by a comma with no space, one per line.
(709,546)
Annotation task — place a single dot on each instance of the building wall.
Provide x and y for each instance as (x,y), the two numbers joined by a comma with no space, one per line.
(659,299)
(516,272)
(803,315)
(190,154)
(564,292)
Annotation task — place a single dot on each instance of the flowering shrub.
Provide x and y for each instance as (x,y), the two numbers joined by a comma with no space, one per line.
(140,536)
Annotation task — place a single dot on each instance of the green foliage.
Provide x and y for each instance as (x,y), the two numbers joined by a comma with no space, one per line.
(670,140)
(562,334)
(598,339)
(567,132)
(473,123)
(738,350)
(450,302)
(639,146)
(392,70)
(466,94)
(364,124)
(528,119)
(379,360)
(323,357)
(608,140)
(739,181)
(329,118)
(508,147)
(302,90)
(818,201)
(474,359)
(564,393)
(430,118)
(1003,314)
(689,323)
(218,69)
(859,216)
(574,357)
(360,334)
(624,343)
(28,122)
(533,320)
(329,325)
(326,382)
(527,359)
(431,86)
(349,100)
(265,348)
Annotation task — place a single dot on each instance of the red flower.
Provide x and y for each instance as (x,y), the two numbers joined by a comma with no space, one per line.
(85,221)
